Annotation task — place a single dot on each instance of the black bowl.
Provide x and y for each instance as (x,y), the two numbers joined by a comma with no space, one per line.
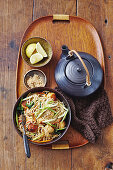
(59,96)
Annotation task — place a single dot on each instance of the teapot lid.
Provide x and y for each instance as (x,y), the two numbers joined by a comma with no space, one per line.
(71,74)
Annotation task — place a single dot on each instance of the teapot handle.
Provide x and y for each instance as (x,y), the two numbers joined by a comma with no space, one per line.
(88,82)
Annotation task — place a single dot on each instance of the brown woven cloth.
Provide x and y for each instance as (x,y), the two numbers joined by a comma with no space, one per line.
(90,114)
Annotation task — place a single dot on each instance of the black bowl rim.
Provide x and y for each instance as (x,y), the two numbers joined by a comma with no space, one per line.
(37,89)
(32,64)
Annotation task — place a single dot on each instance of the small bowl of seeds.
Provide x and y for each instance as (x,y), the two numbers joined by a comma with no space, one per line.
(35,78)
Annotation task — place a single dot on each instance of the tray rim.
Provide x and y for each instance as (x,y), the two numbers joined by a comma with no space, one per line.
(19,54)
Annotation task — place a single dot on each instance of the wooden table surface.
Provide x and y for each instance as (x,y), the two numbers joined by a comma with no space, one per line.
(15,17)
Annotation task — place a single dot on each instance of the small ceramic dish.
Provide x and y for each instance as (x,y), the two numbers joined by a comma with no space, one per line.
(45,45)
(33,72)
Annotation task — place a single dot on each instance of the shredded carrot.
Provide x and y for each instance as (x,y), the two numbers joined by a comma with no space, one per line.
(42,141)
(34,119)
(40,93)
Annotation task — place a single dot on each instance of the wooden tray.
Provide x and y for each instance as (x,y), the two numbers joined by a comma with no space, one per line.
(77,34)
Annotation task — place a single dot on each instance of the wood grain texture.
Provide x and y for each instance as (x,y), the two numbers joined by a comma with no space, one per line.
(15,16)
(99,13)
(96,156)
(50,7)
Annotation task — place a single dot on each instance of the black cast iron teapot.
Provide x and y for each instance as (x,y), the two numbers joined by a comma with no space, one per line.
(78,73)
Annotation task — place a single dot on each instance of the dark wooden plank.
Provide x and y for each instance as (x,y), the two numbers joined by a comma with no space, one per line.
(45,159)
(99,13)
(50,7)
(15,16)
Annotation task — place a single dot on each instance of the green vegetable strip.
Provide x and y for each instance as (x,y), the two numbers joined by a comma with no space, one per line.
(17,119)
(63,107)
(50,102)
(36,113)
(30,133)
(30,105)
(38,137)
(20,101)
(56,113)
(43,110)
(52,105)
(64,116)
(60,129)
(41,113)
(20,108)
(40,104)
(51,110)
(50,124)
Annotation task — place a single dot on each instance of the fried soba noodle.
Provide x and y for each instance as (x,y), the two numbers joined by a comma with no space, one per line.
(45,116)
